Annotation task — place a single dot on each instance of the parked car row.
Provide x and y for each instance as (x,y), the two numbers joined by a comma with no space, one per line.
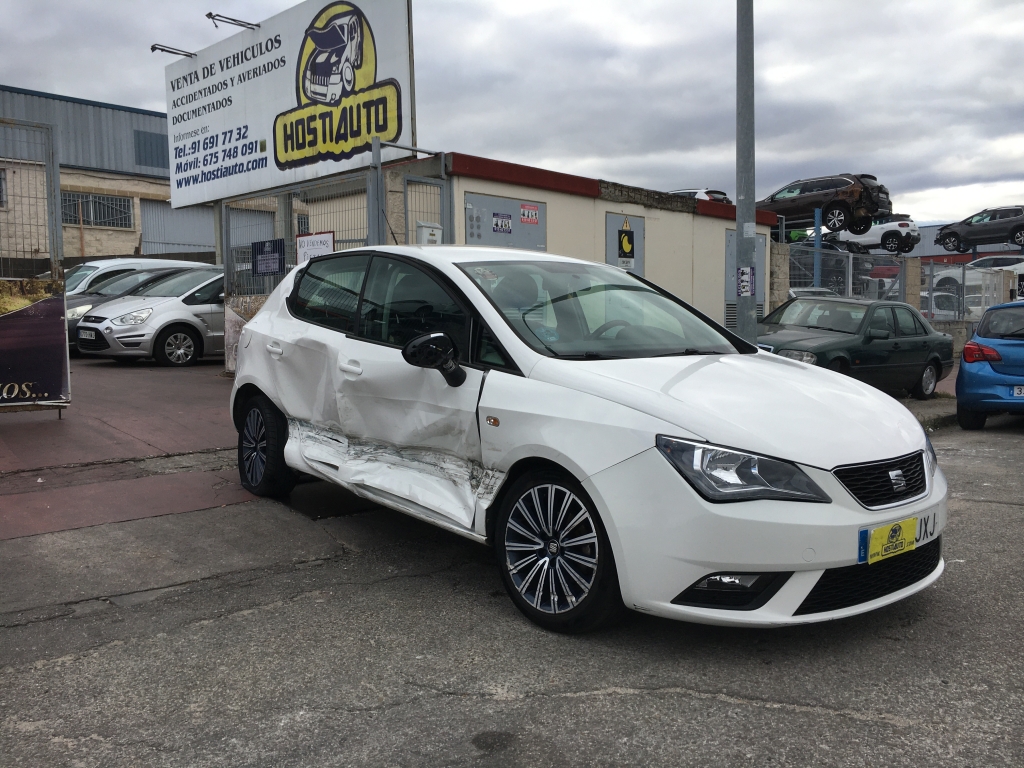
(172,311)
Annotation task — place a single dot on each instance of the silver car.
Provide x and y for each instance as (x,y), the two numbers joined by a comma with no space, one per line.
(176,321)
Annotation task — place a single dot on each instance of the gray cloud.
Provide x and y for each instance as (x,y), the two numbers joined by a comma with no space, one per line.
(925,95)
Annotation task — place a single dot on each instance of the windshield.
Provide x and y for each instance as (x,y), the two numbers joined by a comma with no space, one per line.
(582,311)
(1007,322)
(74,276)
(178,284)
(825,315)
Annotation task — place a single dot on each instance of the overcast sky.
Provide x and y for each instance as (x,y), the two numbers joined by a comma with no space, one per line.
(928,96)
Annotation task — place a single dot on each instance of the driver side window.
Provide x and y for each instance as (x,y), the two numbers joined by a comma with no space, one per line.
(402,302)
(882,320)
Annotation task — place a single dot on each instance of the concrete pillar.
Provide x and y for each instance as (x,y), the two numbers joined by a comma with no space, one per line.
(913,272)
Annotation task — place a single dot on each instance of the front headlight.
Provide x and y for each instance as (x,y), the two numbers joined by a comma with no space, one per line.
(138,317)
(930,459)
(804,357)
(78,312)
(723,474)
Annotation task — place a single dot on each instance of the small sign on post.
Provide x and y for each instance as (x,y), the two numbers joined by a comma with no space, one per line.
(268,257)
(745,285)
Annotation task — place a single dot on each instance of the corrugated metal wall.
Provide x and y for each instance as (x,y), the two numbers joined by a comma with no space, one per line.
(92,135)
(185,230)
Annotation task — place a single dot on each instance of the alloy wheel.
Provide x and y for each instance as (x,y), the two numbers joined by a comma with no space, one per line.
(1018,238)
(835,219)
(551,547)
(928,380)
(951,242)
(254,447)
(179,348)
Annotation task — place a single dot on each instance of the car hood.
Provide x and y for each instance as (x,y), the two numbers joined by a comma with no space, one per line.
(78,299)
(796,337)
(756,402)
(126,304)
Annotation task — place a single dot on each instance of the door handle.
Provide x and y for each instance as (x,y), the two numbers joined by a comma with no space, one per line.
(896,345)
(275,350)
(352,366)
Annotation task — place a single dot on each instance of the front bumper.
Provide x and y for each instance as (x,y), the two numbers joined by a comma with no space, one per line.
(116,340)
(666,538)
(981,388)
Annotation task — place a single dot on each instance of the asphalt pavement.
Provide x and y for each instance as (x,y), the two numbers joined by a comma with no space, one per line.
(326,631)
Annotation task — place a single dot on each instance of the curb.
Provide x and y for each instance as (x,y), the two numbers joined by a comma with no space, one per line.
(931,423)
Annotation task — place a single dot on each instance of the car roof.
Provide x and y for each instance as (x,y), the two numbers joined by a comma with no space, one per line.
(854,299)
(1018,303)
(144,262)
(444,255)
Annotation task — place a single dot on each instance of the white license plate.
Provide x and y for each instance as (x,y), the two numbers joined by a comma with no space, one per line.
(1018,391)
(87,334)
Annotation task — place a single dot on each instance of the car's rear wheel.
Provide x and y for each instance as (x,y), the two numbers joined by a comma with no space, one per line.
(907,245)
(1017,237)
(177,346)
(891,242)
(968,419)
(836,217)
(261,439)
(860,226)
(554,556)
(951,242)
(925,387)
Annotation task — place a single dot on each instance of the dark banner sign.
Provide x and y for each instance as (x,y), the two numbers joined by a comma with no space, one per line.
(33,343)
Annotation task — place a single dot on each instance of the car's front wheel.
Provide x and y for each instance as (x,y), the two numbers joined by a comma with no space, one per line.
(925,387)
(177,347)
(554,555)
(891,242)
(968,419)
(951,242)
(261,438)
(1017,237)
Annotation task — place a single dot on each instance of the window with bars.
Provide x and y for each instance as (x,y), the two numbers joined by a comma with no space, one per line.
(96,210)
(302,223)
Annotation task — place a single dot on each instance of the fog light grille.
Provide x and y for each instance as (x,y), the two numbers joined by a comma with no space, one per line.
(733,591)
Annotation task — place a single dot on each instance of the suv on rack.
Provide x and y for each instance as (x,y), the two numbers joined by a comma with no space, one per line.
(993,225)
(895,233)
(847,201)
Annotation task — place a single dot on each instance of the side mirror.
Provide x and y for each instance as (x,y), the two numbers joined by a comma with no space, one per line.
(877,333)
(220,299)
(438,351)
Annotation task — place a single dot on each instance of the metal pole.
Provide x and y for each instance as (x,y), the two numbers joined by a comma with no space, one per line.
(817,247)
(746,227)
(849,274)
(931,289)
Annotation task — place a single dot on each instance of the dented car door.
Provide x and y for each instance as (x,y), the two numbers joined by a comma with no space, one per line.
(400,434)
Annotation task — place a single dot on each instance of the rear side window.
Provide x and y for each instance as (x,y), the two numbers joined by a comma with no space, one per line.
(905,322)
(997,323)
(402,302)
(328,292)
(208,294)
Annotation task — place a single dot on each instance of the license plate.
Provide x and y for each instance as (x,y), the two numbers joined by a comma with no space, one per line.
(897,538)
(1018,391)
(87,334)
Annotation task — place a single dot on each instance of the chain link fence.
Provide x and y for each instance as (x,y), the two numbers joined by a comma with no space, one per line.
(958,291)
(852,275)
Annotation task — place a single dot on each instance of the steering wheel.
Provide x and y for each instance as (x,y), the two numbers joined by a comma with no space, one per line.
(607,326)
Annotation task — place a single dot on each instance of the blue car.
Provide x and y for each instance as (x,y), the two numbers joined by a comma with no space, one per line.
(991,378)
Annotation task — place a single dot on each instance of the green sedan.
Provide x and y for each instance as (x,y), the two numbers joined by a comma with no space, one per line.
(884,343)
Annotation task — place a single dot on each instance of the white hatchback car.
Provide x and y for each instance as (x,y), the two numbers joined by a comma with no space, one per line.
(613,444)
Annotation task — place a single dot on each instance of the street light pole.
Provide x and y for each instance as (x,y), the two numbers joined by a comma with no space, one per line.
(746,277)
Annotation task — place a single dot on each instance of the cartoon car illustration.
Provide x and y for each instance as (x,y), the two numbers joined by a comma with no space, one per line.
(331,69)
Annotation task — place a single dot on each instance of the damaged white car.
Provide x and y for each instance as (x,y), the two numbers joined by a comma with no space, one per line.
(616,447)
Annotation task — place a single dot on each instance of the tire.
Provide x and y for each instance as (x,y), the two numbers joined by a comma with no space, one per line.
(951,242)
(963,248)
(261,440)
(540,573)
(840,366)
(970,420)
(925,387)
(835,217)
(860,226)
(906,246)
(177,347)
(1017,237)
(891,242)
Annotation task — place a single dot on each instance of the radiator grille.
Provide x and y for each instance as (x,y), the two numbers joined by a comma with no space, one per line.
(883,483)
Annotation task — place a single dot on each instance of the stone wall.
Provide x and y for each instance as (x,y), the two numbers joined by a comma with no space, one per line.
(778,276)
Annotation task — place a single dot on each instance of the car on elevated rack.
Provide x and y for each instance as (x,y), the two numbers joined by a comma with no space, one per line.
(993,225)
(895,233)
(615,446)
(883,343)
(847,201)
(951,277)
(991,375)
(175,320)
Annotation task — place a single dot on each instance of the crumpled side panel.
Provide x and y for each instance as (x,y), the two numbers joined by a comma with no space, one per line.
(430,484)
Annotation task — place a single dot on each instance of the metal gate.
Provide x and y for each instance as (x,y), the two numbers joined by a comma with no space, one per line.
(424,210)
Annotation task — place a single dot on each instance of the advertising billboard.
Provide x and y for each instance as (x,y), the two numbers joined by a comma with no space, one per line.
(301,96)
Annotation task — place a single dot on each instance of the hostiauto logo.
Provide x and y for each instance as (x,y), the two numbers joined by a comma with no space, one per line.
(341,104)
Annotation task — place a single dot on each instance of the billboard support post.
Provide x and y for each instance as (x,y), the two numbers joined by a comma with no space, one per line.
(746,225)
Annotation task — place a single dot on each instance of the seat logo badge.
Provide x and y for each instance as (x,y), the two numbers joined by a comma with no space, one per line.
(342,105)
(899,483)
(553,547)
